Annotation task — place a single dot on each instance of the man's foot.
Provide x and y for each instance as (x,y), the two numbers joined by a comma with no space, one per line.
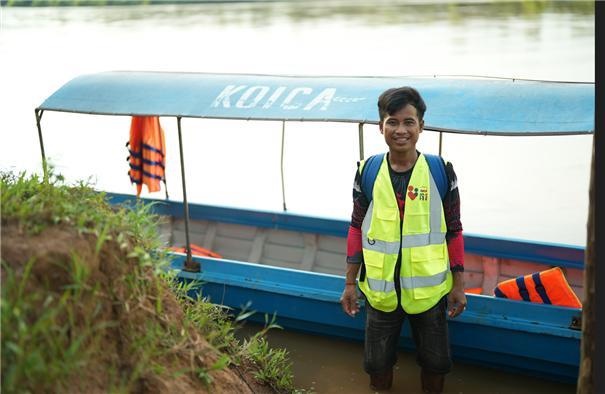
(382,381)
(432,382)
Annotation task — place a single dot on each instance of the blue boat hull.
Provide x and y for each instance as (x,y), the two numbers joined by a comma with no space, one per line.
(520,337)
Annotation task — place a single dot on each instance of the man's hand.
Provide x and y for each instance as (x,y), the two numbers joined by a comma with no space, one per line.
(349,300)
(456,300)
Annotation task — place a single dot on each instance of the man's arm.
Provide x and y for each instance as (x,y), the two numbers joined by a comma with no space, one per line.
(451,209)
(455,244)
(349,298)
(456,298)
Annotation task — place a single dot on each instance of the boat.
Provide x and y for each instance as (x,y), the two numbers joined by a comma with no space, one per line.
(291,266)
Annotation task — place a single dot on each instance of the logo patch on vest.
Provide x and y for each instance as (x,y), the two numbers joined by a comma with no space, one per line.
(421,192)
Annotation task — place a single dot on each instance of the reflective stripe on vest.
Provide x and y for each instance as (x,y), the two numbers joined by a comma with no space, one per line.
(424,276)
(381,285)
(423,281)
(407,283)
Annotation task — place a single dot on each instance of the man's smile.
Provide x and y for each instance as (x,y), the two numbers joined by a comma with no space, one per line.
(401,140)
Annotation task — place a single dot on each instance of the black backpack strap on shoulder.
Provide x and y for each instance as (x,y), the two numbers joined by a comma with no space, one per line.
(438,172)
(369,174)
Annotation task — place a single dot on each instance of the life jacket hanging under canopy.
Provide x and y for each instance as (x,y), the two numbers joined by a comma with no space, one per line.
(545,287)
(147,150)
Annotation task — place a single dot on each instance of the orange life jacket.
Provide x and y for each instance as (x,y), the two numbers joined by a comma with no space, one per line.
(196,250)
(147,149)
(546,287)
(474,290)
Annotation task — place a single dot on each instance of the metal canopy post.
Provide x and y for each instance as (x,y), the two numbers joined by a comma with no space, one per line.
(190,265)
(440,142)
(166,187)
(283,185)
(39,113)
(360,141)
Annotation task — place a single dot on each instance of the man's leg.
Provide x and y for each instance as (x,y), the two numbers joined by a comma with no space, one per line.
(380,351)
(433,348)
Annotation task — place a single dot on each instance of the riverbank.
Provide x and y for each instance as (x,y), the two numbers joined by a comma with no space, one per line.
(88,307)
(74,3)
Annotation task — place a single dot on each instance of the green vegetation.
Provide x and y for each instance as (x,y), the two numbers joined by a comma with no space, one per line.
(63,3)
(70,3)
(87,306)
(268,365)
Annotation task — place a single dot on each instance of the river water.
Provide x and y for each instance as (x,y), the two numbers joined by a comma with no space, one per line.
(340,370)
(524,187)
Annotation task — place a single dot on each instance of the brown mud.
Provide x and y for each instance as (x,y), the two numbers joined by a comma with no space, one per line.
(109,299)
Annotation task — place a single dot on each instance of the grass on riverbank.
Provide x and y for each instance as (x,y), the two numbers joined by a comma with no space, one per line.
(86,305)
(93,3)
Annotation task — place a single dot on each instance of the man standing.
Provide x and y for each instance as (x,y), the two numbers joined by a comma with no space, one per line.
(405,242)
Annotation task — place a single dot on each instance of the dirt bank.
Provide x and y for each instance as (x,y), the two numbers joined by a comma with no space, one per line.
(120,328)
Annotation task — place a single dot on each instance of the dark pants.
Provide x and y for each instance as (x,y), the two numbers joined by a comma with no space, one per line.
(429,330)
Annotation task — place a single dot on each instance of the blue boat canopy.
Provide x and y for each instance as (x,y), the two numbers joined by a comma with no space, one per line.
(460,105)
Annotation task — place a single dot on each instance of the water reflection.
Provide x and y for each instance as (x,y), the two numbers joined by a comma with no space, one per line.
(369,13)
(505,39)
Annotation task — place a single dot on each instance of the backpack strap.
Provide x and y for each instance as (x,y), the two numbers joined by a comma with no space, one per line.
(369,172)
(438,171)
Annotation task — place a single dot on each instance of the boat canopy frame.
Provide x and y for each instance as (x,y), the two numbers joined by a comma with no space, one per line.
(463,105)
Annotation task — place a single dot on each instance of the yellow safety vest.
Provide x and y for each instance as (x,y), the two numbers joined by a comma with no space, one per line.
(425,275)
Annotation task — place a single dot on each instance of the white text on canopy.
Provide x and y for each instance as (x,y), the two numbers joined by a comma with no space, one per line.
(254,96)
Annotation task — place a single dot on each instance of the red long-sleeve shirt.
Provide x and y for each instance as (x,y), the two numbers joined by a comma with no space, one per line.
(400,180)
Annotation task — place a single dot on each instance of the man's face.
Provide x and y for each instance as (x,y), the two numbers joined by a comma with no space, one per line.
(402,129)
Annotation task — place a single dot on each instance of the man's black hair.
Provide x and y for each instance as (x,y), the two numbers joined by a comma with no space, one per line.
(394,99)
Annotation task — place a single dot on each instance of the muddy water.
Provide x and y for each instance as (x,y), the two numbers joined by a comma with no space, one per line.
(332,365)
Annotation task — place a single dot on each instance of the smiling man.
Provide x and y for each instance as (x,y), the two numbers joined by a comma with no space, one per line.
(405,243)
